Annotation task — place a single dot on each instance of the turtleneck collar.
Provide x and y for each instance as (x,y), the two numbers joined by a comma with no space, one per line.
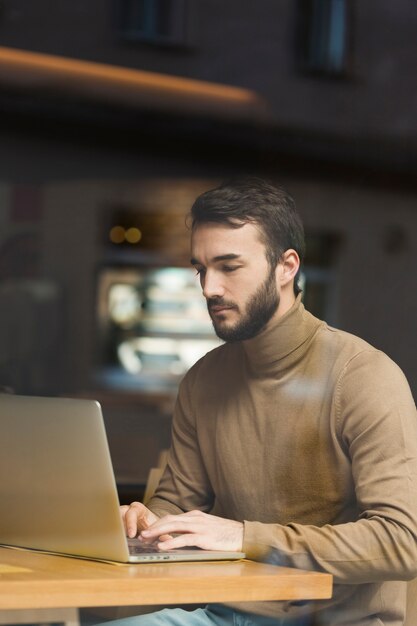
(279,344)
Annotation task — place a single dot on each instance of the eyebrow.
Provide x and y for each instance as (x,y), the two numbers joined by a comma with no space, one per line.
(216,259)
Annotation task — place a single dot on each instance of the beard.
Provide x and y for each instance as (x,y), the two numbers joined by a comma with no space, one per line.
(260,308)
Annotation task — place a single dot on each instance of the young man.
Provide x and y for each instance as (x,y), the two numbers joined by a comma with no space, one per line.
(293,441)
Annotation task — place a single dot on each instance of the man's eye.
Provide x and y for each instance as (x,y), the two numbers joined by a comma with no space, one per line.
(199,271)
(230,268)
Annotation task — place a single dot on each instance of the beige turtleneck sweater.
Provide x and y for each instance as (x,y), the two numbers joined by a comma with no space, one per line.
(309,436)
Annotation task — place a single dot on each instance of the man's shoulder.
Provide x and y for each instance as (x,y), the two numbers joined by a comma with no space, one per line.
(354,353)
(343,339)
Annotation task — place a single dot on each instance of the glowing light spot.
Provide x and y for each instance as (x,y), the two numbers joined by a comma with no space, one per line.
(133,235)
(117,234)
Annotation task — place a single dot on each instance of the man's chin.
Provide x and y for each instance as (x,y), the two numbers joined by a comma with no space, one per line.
(221,326)
(226,332)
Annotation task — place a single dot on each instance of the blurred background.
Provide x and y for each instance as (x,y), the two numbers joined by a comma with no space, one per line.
(116,114)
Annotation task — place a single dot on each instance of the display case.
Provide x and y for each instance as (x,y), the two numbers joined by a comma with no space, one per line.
(152,326)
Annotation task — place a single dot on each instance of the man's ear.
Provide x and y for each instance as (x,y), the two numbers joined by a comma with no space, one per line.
(288,266)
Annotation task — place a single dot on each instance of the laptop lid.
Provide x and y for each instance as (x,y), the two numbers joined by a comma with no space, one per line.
(58,491)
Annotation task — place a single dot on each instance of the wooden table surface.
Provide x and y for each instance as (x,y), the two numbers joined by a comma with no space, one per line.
(34,580)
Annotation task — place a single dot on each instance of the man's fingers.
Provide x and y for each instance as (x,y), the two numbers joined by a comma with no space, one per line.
(151,540)
(131,522)
(136,517)
(196,529)
(182,541)
(171,525)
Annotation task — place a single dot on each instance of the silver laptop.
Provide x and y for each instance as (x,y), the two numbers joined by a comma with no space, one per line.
(57,487)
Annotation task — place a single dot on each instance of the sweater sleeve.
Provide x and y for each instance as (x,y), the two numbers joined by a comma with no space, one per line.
(184,485)
(376,427)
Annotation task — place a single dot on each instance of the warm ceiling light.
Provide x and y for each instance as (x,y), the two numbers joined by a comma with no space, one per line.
(39,71)
(133,235)
(117,234)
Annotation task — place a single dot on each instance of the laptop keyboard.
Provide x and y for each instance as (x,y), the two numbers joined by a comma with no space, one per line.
(138,547)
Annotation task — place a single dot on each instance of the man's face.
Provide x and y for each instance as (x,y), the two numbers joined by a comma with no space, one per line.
(237,281)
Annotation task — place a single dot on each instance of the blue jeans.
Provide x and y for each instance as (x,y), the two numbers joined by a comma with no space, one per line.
(211,615)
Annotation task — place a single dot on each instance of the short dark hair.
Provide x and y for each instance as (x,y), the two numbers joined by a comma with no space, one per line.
(254,200)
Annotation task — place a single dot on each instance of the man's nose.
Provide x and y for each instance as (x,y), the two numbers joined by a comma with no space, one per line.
(212,285)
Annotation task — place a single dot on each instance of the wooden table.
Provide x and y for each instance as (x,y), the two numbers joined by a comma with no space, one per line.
(34,580)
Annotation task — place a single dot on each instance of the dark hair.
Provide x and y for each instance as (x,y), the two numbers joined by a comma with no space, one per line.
(271,208)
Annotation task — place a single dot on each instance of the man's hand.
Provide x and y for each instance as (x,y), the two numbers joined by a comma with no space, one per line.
(195,529)
(136,517)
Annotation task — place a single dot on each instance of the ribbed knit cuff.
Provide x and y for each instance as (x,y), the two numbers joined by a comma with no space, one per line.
(256,540)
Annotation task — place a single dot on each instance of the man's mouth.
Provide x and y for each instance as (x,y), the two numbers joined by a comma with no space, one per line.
(215,309)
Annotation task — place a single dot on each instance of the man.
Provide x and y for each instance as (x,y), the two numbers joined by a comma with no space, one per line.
(293,441)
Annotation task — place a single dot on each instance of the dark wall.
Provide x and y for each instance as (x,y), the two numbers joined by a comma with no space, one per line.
(252,45)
